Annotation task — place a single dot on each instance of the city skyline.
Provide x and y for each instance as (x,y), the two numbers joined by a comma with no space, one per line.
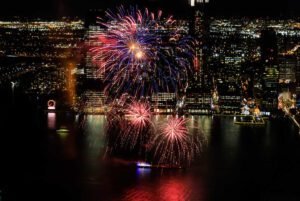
(151,100)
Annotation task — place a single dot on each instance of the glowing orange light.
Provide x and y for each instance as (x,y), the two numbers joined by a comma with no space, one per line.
(139,55)
(132,47)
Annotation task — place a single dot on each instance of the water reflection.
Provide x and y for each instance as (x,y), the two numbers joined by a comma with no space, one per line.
(170,186)
(51,120)
(143,172)
(236,158)
(174,190)
(94,131)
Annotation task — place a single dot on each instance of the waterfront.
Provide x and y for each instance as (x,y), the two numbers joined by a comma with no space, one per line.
(49,157)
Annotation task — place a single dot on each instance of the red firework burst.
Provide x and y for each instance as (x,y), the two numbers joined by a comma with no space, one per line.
(173,145)
(175,129)
(138,114)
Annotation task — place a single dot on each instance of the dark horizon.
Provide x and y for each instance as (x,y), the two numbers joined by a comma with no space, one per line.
(59,8)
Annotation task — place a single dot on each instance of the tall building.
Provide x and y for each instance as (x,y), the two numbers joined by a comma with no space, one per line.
(198,94)
(269,46)
(199,29)
(269,60)
(91,70)
(287,69)
(91,96)
(297,53)
(298,66)
(270,88)
(94,30)
(228,54)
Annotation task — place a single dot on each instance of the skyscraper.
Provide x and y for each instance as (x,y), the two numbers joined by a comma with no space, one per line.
(199,91)
(199,29)
(269,59)
(269,47)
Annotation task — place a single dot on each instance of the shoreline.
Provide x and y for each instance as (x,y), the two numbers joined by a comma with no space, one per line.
(156,114)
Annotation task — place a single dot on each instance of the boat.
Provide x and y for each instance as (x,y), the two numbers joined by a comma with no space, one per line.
(148,165)
(250,120)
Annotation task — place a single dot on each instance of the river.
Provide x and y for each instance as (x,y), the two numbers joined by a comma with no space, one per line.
(55,156)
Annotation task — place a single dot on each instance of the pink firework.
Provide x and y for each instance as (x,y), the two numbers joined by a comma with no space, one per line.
(138,114)
(129,124)
(175,129)
(173,145)
(140,52)
(137,127)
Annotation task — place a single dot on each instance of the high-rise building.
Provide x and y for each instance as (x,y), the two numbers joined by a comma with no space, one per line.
(269,46)
(198,94)
(287,69)
(297,54)
(91,70)
(94,30)
(91,96)
(270,88)
(269,60)
(199,29)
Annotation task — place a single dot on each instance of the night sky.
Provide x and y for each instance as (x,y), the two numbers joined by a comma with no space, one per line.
(57,8)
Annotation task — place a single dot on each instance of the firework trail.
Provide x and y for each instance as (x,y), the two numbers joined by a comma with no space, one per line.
(142,52)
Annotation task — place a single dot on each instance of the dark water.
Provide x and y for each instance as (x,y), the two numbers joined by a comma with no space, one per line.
(47,157)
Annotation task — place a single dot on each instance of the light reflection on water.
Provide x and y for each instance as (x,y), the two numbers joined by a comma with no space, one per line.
(51,120)
(94,130)
(235,157)
(146,184)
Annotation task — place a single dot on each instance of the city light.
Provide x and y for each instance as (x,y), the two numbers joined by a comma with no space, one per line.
(198,102)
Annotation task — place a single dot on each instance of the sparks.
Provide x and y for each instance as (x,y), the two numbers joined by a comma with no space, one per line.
(138,114)
(173,145)
(142,53)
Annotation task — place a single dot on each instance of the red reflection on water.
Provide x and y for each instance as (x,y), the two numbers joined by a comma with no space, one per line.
(166,189)
(175,190)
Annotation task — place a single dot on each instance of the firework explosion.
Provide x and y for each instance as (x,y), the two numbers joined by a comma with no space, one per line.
(173,145)
(129,124)
(138,114)
(142,52)
(138,125)
(131,128)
